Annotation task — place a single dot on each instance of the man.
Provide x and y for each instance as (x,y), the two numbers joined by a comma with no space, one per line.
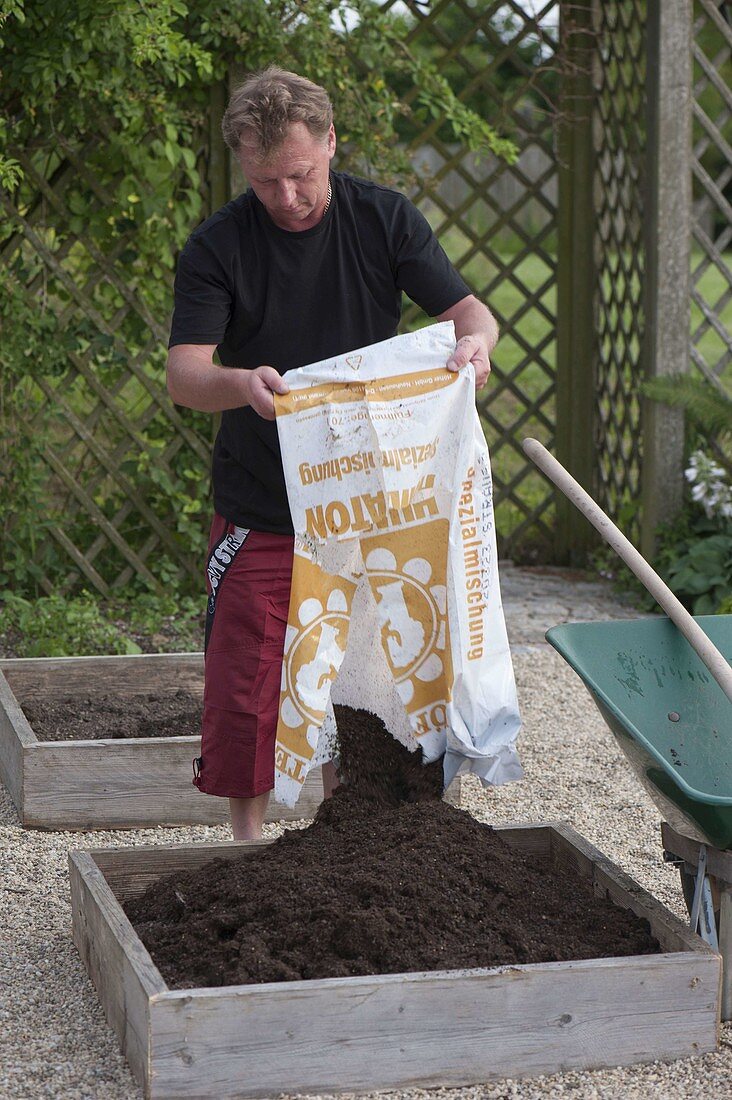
(305,265)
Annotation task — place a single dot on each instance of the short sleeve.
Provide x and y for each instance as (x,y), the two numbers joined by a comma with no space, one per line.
(422,269)
(202,297)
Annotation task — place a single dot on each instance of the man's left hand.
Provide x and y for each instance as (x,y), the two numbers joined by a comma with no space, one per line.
(472,349)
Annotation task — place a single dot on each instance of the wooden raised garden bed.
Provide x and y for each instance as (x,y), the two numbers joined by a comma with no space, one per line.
(441,1028)
(113,783)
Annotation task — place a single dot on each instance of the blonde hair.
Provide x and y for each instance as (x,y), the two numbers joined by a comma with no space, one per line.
(262,109)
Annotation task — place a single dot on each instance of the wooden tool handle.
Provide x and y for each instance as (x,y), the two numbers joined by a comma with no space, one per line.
(695,636)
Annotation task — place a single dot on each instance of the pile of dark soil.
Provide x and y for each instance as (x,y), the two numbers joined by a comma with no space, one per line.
(376,766)
(387,879)
(93,717)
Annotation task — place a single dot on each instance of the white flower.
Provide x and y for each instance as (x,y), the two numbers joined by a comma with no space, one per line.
(710,486)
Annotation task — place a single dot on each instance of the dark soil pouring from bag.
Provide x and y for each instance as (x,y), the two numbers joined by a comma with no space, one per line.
(93,717)
(387,879)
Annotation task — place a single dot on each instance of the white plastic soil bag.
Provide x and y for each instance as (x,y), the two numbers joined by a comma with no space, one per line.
(395,605)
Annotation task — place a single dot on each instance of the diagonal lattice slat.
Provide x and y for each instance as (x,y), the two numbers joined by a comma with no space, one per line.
(620,148)
(711,164)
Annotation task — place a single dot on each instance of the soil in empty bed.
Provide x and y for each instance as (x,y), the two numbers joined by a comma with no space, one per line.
(387,879)
(83,717)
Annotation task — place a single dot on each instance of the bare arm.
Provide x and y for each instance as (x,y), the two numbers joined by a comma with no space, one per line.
(194,380)
(476,330)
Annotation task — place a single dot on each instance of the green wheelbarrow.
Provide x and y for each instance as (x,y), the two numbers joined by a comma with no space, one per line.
(664,687)
(669,716)
(673,723)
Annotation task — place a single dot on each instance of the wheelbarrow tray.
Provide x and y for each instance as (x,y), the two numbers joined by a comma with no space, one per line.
(669,716)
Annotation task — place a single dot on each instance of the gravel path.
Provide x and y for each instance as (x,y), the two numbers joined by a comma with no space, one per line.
(54,1040)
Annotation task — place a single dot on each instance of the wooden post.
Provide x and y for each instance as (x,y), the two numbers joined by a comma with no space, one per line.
(668,245)
(218,153)
(576,277)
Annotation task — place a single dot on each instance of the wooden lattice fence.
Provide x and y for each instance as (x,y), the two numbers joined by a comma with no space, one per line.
(569,246)
(117,455)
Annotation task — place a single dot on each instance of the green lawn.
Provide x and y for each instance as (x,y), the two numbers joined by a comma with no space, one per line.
(714,345)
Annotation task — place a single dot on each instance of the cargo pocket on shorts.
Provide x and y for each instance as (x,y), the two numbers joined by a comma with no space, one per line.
(270,665)
(275,624)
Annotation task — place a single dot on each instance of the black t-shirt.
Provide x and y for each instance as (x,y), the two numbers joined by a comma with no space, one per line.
(267,295)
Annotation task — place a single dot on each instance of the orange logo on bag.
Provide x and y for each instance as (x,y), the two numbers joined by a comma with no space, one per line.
(315,644)
(316,654)
(407,572)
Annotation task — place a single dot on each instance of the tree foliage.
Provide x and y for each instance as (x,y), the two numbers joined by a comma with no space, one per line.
(518,54)
(143,68)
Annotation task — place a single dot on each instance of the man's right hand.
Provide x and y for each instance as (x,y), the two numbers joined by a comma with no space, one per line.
(261,384)
(196,382)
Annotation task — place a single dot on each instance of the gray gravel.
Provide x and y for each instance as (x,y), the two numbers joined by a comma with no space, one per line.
(54,1040)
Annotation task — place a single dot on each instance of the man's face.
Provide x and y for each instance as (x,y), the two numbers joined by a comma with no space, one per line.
(292,183)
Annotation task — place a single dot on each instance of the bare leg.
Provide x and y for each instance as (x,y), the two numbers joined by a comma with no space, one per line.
(330,779)
(247,816)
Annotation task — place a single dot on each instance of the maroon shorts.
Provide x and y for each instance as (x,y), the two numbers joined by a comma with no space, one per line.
(248,582)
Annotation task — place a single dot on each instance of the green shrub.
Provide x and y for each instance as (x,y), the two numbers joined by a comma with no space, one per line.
(695,550)
(133,622)
(698,565)
(54,626)
(169,622)
(694,558)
